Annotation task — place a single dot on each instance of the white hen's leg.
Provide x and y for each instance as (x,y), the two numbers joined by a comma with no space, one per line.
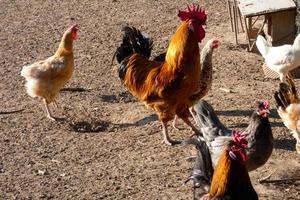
(282,77)
(191,109)
(49,115)
(167,139)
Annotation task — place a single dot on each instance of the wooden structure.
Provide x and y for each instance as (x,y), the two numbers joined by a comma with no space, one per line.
(278,15)
(235,17)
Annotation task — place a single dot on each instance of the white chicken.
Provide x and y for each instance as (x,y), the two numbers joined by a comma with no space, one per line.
(281,59)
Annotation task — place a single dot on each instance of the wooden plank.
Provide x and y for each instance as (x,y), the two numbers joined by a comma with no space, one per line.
(283,27)
(250,8)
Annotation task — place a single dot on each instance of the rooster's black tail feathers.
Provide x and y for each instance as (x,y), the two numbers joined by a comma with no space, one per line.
(133,42)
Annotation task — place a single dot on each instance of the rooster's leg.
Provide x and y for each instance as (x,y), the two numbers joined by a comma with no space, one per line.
(55,103)
(175,123)
(167,139)
(49,115)
(189,123)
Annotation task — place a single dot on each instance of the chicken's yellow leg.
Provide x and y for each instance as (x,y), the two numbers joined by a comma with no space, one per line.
(49,115)
(167,139)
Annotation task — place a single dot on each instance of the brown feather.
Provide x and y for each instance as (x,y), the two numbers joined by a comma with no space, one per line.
(221,177)
(165,86)
(231,179)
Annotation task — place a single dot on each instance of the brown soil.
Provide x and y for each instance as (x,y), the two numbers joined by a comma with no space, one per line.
(109,146)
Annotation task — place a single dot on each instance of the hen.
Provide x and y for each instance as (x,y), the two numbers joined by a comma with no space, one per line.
(258,133)
(205,82)
(45,78)
(281,59)
(164,86)
(288,105)
(230,179)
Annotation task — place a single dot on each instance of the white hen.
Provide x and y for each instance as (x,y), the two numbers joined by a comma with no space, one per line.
(281,59)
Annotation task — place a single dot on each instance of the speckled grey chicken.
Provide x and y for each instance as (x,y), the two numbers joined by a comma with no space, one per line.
(258,133)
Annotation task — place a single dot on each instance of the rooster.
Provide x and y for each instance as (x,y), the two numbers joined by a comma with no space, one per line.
(258,133)
(205,81)
(288,105)
(164,86)
(281,59)
(45,78)
(230,179)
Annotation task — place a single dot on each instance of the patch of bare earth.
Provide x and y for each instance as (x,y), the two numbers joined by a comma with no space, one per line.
(108,146)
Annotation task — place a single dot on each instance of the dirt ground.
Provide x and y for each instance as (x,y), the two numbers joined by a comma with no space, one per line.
(109,146)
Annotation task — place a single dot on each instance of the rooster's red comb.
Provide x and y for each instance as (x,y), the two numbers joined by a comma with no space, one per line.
(237,150)
(194,12)
(239,139)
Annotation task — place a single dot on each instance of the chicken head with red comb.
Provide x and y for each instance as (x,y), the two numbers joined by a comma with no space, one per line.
(74,29)
(263,108)
(196,17)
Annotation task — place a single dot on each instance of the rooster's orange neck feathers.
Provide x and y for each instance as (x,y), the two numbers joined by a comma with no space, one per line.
(183,46)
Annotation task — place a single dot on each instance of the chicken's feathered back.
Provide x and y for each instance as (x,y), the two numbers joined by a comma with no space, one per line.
(133,42)
(287,94)
(208,121)
(288,105)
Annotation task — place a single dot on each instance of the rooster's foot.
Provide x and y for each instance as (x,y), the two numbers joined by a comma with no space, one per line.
(51,118)
(264,179)
(205,197)
(176,128)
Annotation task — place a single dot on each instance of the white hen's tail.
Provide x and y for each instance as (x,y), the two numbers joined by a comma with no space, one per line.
(262,45)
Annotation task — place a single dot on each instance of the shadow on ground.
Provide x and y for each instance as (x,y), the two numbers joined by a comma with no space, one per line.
(123,97)
(89,126)
(285,144)
(245,113)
